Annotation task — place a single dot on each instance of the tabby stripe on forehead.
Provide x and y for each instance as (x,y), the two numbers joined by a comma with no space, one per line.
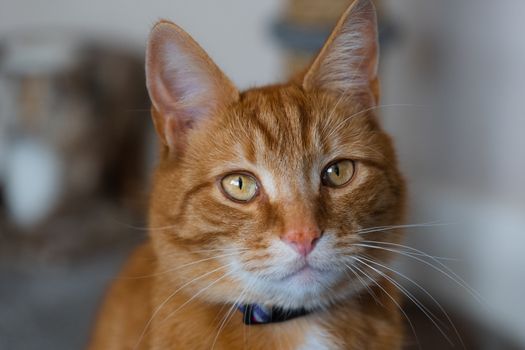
(250,151)
(288,122)
(306,125)
(268,137)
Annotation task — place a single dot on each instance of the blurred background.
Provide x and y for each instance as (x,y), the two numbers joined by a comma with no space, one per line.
(76,148)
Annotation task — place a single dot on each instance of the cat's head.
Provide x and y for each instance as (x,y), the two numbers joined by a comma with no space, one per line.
(261,196)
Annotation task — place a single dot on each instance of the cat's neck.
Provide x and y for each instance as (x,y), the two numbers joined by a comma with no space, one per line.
(223,324)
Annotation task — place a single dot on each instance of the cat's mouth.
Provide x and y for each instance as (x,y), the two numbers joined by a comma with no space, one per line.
(305,273)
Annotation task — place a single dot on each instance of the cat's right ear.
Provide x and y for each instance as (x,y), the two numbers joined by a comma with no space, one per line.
(347,63)
(185,86)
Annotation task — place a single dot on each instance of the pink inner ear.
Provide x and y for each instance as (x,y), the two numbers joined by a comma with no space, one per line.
(184,84)
(187,83)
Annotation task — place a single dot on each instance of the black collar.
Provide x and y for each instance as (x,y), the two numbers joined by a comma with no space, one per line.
(254,314)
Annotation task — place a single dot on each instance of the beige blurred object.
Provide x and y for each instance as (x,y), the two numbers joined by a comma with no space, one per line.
(315,12)
(307,23)
(319,13)
(296,62)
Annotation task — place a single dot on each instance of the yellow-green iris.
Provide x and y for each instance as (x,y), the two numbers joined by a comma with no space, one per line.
(240,187)
(338,174)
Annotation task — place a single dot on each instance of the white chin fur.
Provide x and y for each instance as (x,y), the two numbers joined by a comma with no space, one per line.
(311,288)
(310,292)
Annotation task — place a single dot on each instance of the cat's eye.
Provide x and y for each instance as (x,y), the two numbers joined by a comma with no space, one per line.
(339,173)
(240,187)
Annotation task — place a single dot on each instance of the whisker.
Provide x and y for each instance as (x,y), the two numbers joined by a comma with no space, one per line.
(395,302)
(228,316)
(190,251)
(366,110)
(423,254)
(372,261)
(178,267)
(344,94)
(367,287)
(442,268)
(219,249)
(394,227)
(411,297)
(223,323)
(170,297)
(147,228)
(196,295)
(142,228)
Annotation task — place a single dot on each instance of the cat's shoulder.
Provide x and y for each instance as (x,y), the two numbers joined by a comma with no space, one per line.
(126,305)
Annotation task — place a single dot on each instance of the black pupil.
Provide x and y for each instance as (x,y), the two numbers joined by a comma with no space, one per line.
(240,183)
(336,169)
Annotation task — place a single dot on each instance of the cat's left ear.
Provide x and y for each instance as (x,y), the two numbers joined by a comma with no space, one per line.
(185,86)
(348,61)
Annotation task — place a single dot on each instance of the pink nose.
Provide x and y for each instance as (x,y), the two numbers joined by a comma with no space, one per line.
(302,240)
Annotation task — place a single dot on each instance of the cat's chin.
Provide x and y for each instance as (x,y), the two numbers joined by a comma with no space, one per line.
(305,275)
(308,288)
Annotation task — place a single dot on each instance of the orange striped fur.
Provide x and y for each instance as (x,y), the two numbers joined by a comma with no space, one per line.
(207,252)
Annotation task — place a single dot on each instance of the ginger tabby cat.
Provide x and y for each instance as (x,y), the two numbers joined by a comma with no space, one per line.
(266,206)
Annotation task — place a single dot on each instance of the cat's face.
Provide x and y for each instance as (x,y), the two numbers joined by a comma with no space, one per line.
(261,196)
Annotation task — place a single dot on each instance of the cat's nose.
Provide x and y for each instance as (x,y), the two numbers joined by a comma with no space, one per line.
(302,240)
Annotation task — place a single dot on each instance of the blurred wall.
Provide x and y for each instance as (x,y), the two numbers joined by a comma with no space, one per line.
(234,32)
(459,72)
(462,63)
